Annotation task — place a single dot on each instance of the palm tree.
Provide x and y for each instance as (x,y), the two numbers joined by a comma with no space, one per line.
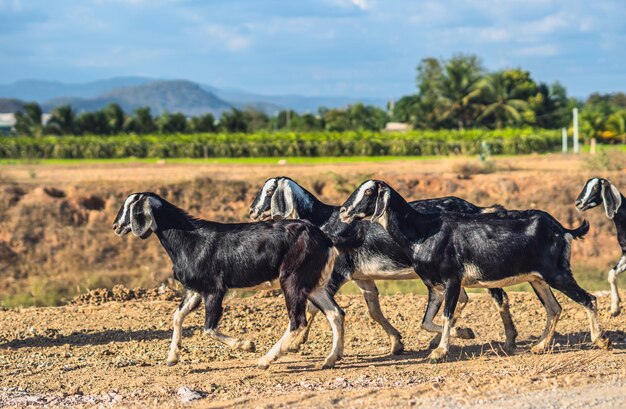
(61,121)
(115,117)
(28,120)
(457,89)
(500,97)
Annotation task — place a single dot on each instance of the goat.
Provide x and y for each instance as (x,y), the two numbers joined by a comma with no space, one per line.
(595,192)
(454,250)
(379,257)
(209,258)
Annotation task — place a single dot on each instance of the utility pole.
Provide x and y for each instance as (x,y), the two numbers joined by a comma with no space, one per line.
(564,134)
(576,147)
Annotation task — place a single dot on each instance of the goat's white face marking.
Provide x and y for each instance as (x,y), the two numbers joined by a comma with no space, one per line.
(122,221)
(359,196)
(589,189)
(260,208)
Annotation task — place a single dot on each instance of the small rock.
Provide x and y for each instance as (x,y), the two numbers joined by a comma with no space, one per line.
(187,395)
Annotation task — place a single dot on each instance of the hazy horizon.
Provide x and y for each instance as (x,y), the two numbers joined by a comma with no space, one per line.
(363,48)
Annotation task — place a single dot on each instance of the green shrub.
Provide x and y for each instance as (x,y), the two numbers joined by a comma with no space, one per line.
(281,144)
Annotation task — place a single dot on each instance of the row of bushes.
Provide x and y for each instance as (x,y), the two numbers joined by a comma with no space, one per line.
(508,141)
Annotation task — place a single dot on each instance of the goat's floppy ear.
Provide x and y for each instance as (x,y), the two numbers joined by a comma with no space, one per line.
(612,199)
(282,201)
(382,200)
(141,218)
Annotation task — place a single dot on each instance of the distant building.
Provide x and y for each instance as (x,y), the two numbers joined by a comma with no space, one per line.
(7,123)
(397,127)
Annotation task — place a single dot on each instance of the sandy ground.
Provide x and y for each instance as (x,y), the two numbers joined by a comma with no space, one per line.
(113,353)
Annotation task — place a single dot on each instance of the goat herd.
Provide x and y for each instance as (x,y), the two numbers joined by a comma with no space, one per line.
(310,249)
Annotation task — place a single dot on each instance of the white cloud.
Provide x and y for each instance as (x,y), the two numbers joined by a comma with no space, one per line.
(544,50)
(231,38)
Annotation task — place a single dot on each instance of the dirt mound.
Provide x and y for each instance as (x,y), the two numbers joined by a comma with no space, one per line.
(121,293)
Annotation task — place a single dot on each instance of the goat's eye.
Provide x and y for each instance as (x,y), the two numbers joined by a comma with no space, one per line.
(595,187)
(369,192)
(270,192)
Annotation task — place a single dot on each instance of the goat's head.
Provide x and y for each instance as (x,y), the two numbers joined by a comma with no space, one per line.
(260,209)
(596,191)
(136,215)
(278,199)
(370,200)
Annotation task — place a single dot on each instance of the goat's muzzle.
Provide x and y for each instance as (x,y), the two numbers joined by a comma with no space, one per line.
(121,230)
(344,215)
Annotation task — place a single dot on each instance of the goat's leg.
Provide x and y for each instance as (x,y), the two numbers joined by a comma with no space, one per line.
(295,301)
(213,308)
(452,290)
(311,312)
(335,316)
(501,300)
(189,303)
(566,284)
(370,293)
(553,312)
(435,299)
(613,274)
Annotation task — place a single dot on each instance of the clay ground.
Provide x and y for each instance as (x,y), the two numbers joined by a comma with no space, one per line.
(56,242)
(114,353)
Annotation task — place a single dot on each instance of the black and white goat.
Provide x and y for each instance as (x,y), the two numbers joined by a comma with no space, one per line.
(210,258)
(454,250)
(595,192)
(378,258)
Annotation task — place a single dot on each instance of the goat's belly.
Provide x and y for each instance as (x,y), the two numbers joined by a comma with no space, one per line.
(266,285)
(384,274)
(476,282)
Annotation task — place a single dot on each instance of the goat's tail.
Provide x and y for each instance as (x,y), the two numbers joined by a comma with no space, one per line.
(580,231)
(493,208)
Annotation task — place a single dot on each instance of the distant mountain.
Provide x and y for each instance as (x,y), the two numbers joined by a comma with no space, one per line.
(165,95)
(42,91)
(10,105)
(161,96)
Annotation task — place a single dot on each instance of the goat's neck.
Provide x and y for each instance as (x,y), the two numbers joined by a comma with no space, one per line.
(404,224)
(620,224)
(175,231)
(314,210)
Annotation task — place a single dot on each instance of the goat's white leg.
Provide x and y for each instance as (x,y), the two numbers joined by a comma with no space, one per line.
(452,291)
(190,302)
(280,347)
(613,275)
(335,317)
(553,312)
(311,312)
(370,293)
(435,299)
(233,342)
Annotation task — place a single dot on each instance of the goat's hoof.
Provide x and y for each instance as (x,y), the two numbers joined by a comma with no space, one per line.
(438,355)
(263,364)
(397,347)
(171,362)
(603,343)
(248,346)
(327,364)
(509,349)
(615,312)
(465,333)
(539,348)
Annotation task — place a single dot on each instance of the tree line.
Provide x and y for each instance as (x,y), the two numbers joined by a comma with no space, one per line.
(455,93)
(112,120)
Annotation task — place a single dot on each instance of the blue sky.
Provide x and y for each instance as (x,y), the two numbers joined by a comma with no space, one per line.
(311,47)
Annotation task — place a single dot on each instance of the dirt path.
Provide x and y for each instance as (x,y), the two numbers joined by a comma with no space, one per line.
(114,353)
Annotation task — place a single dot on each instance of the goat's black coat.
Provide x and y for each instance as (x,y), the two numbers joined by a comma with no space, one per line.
(209,258)
(450,249)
